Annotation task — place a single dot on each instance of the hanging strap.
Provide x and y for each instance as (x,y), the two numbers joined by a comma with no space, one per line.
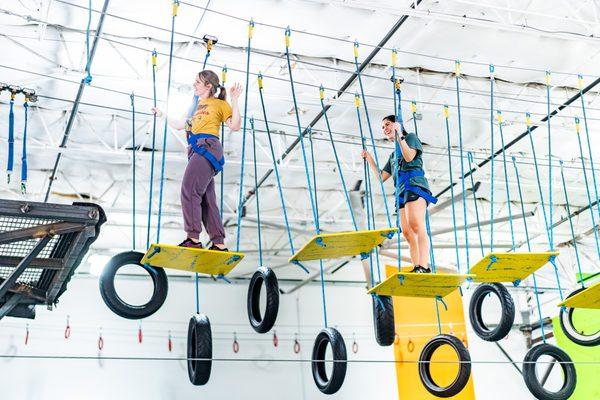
(451,174)
(462,167)
(508,202)
(11,137)
(24,151)
(397,95)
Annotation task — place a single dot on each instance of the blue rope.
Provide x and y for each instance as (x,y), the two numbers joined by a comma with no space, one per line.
(437,313)
(151,190)
(562,174)
(362,92)
(88,77)
(132,98)
(240,203)
(431,254)
(398,110)
(589,146)
(164,150)
(550,228)
(223,146)
(537,175)
(300,135)
(450,173)
(587,189)
(492,158)
(276,168)
(11,137)
(260,252)
(462,166)
(414,116)
(470,159)
(508,202)
(24,150)
(367,174)
(337,162)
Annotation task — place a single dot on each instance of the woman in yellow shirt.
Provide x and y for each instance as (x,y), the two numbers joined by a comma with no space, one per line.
(205,157)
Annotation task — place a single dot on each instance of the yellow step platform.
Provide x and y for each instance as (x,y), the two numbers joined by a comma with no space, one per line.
(410,284)
(509,267)
(587,298)
(342,244)
(203,261)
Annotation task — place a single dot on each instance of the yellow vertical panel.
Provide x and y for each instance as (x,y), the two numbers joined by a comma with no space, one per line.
(416,323)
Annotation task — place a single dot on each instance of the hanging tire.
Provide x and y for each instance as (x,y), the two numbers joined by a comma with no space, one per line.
(531,379)
(464,369)
(566,323)
(383,320)
(507,307)
(199,350)
(267,278)
(333,383)
(117,304)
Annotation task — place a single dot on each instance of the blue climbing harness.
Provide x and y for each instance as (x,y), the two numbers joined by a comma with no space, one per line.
(404,178)
(201,151)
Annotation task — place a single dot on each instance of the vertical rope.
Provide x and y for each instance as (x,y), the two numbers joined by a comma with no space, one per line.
(362,92)
(562,175)
(492,158)
(535,287)
(470,159)
(11,136)
(222,183)
(151,189)
(24,148)
(462,166)
(587,189)
(133,218)
(450,173)
(164,149)
(550,228)
(508,202)
(258,225)
(240,204)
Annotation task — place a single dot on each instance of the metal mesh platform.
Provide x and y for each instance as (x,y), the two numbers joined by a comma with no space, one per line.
(41,245)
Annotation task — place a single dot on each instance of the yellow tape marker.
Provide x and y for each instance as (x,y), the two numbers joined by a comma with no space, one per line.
(499,116)
(209,46)
(355,49)
(577,125)
(528,119)
(413,107)
(175,7)
(446,112)
(224,74)
(260,81)
(580,81)
(154,58)
(394,58)
(250,29)
(457,67)
(322,93)
(548,78)
(397,83)
(357,100)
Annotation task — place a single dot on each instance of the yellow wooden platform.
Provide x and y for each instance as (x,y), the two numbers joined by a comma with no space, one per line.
(341,244)
(509,267)
(588,298)
(203,261)
(410,284)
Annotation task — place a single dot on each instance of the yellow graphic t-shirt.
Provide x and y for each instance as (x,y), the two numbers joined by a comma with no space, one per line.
(209,115)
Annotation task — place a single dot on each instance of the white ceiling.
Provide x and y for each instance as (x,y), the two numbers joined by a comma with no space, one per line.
(44,46)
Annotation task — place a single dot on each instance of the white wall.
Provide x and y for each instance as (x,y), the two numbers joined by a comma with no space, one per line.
(348,307)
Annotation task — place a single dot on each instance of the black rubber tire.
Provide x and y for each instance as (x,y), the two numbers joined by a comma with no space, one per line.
(263,277)
(464,370)
(566,323)
(531,379)
(506,304)
(329,385)
(199,345)
(383,320)
(111,297)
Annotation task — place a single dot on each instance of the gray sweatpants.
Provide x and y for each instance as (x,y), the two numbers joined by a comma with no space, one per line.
(198,198)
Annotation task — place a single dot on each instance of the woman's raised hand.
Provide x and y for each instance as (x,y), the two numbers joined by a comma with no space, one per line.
(235,91)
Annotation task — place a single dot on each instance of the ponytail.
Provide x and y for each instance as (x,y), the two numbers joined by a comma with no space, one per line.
(222,93)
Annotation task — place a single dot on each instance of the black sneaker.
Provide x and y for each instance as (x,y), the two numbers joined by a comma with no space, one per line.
(420,270)
(190,243)
(213,247)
